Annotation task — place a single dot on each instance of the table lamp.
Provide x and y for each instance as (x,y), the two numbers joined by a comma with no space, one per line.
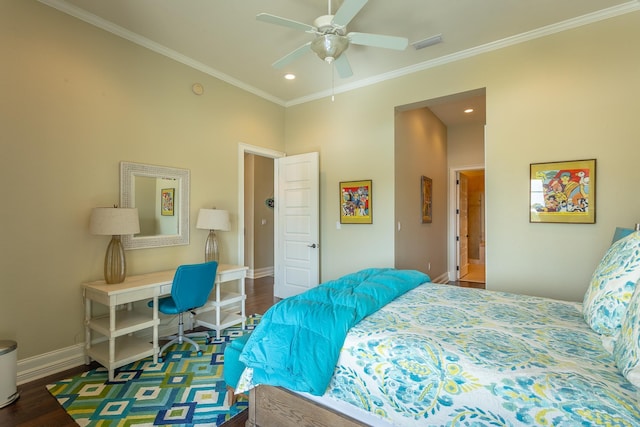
(114,222)
(212,220)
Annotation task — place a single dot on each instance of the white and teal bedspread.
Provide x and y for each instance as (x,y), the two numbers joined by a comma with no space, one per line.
(443,355)
(298,341)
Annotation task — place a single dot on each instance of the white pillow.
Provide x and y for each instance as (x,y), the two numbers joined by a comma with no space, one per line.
(626,350)
(612,286)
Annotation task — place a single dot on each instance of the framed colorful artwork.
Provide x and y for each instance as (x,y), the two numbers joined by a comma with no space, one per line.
(563,192)
(356,202)
(167,201)
(426,187)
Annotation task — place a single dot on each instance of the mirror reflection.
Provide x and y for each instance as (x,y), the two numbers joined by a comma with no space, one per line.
(161,195)
(156,199)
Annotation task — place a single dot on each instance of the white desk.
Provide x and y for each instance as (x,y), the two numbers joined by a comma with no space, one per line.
(118,325)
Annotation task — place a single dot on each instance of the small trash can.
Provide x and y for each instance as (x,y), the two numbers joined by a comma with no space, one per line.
(8,372)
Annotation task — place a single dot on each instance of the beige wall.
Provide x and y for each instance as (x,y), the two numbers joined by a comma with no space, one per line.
(354,137)
(420,149)
(259,237)
(75,102)
(465,146)
(566,96)
(263,214)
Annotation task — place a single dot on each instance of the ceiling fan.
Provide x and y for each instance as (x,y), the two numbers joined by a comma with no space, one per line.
(331,36)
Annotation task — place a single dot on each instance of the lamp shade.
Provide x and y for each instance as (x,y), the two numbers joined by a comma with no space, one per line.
(213,219)
(114,221)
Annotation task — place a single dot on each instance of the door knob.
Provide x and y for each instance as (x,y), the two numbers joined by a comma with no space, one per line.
(313,245)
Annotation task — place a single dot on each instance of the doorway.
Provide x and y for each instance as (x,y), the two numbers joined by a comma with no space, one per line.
(471,231)
(246,234)
(295,222)
(464,118)
(259,221)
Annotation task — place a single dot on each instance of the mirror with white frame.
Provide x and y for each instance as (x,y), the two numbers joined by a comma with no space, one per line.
(161,195)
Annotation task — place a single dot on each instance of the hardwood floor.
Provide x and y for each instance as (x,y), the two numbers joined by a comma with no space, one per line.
(464,284)
(37,408)
(259,295)
(475,273)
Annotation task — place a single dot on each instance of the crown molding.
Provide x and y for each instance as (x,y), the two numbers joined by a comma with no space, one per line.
(63,6)
(579,21)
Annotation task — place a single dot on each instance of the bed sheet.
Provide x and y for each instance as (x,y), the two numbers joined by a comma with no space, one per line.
(443,355)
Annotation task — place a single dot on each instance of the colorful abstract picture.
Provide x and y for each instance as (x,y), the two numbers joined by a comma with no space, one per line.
(563,192)
(167,203)
(426,186)
(355,202)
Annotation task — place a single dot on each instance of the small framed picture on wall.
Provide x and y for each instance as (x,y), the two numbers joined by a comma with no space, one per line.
(426,188)
(563,192)
(166,203)
(356,205)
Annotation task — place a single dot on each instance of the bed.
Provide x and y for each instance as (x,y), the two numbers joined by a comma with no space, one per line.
(443,355)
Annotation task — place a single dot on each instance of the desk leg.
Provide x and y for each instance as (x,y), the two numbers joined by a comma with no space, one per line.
(218,310)
(156,347)
(87,330)
(242,304)
(112,340)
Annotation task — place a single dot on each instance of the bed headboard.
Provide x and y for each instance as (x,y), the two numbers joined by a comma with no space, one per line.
(623,232)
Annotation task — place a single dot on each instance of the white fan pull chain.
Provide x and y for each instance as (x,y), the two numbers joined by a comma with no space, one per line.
(333,79)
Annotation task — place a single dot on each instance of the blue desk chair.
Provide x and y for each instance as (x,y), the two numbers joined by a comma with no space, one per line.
(191,287)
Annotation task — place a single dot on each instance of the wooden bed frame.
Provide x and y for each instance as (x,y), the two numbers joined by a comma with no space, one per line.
(278,407)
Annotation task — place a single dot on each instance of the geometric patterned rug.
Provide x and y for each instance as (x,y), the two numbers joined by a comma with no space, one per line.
(184,390)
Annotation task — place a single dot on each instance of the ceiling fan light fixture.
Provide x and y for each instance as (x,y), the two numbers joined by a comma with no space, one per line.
(329,47)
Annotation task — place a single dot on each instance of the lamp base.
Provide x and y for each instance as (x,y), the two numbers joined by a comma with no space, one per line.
(211,248)
(115,265)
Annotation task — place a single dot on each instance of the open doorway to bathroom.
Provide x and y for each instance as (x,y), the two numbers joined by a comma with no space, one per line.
(471,231)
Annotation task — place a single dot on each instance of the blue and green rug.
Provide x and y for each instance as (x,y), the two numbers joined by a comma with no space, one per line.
(184,390)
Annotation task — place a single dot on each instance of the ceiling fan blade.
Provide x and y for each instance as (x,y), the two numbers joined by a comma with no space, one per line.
(343,67)
(289,23)
(291,56)
(347,11)
(378,40)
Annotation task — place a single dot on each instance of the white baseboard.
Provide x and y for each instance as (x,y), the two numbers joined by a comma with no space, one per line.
(43,365)
(33,368)
(260,272)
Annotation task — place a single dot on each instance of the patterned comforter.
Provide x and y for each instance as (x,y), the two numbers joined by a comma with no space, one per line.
(443,355)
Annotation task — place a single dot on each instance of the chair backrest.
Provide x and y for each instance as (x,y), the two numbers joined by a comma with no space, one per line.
(192,284)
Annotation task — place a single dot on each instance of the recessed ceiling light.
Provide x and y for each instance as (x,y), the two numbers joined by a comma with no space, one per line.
(289,76)
(468,110)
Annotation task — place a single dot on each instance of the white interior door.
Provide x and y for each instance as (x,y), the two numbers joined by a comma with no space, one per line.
(297,228)
(463,225)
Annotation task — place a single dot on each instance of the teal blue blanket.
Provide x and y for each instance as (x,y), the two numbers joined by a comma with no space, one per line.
(298,341)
